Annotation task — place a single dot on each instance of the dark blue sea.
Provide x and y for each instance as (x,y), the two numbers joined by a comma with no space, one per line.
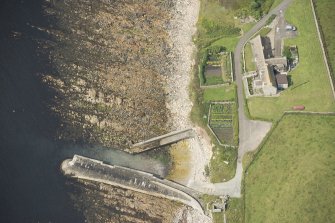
(32,188)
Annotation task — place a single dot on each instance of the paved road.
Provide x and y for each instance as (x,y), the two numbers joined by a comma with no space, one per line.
(279,34)
(251,132)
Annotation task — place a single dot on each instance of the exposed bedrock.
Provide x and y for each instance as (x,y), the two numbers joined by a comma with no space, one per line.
(111,61)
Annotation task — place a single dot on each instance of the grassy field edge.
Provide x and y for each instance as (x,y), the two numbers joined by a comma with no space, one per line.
(254,156)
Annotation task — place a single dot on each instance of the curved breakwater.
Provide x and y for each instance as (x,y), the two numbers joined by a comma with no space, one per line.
(90,169)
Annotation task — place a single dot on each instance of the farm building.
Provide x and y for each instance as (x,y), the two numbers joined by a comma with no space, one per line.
(278,63)
(282,82)
(265,72)
(270,70)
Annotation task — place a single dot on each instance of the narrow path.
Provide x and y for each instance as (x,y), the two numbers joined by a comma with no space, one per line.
(251,133)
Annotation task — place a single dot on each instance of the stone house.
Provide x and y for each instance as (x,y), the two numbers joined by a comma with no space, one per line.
(271,72)
(265,78)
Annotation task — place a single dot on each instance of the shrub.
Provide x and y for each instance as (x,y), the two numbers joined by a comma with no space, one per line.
(214,29)
(287,53)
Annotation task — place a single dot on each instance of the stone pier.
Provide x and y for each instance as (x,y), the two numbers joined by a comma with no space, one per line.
(162,140)
(94,170)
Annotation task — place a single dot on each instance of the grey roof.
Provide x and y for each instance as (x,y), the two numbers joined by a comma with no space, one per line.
(277,61)
(281,79)
(265,72)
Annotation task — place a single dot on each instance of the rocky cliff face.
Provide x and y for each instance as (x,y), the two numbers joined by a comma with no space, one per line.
(111,60)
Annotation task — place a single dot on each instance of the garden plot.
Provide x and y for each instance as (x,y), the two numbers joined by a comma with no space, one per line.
(221,121)
(213,74)
(216,67)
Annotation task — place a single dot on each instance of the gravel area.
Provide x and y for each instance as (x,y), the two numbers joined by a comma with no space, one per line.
(182,27)
(187,214)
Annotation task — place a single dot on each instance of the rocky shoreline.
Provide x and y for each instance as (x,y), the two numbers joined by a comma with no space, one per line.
(183,27)
(110,62)
(122,71)
(178,101)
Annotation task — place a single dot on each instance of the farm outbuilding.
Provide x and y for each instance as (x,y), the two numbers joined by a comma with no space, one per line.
(282,81)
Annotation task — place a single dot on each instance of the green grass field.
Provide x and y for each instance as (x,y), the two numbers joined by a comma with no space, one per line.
(249,58)
(247,26)
(228,42)
(214,80)
(292,178)
(226,93)
(219,170)
(311,86)
(326,16)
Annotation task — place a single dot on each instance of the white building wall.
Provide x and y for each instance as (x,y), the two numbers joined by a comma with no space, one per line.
(282,86)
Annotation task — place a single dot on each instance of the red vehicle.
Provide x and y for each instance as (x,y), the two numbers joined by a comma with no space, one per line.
(298,107)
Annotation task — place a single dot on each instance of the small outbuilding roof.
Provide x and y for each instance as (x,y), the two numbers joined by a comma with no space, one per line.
(277,61)
(281,79)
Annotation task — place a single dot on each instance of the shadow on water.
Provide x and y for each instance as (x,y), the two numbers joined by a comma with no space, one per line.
(32,187)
